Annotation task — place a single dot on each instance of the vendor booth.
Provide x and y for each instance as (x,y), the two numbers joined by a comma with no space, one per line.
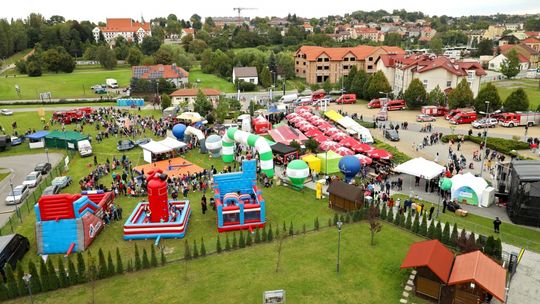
(285,134)
(37,140)
(329,162)
(130,102)
(159,150)
(313,162)
(261,125)
(64,140)
(469,189)
(284,154)
(344,196)
(421,167)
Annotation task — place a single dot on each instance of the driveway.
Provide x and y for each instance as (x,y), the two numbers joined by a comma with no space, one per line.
(20,165)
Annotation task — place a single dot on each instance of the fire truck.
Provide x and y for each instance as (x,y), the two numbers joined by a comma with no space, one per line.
(519,119)
(71,116)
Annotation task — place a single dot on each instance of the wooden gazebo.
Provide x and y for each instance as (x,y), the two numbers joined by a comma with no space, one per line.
(345,196)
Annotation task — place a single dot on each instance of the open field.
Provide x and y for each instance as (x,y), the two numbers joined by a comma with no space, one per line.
(74,85)
(56,105)
(531,86)
(14,58)
(307,271)
(210,81)
(4,173)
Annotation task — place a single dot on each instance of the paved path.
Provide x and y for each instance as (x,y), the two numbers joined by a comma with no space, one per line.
(20,165)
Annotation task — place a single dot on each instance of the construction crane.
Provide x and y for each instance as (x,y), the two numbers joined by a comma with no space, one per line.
(239,10)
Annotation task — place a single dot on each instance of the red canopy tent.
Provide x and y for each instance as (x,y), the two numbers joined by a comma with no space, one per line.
(343,151)
(379,154)
(349,142)
(329,145)
(307,127)
(296,119)
(364,160)
(331,130)
(261,125)
(362,148)
(301,122)
(306,115)
(324,126)
(338,136)
(302,109)
(313,133)
(292,115)
(320,138)
(318,121)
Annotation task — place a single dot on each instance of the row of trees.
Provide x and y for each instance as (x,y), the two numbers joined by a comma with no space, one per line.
(48,276)
(54,60)
(366,86)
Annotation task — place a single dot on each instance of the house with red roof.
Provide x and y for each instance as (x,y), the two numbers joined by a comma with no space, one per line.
(431,70)
(371,34)
(172,73)
(317,64)
(527,51)
(126,27)
(189,95)
(495,63)
(532,42)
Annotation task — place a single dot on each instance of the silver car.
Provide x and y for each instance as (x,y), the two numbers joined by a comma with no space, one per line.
(18,195)
(33,179)
(61,181)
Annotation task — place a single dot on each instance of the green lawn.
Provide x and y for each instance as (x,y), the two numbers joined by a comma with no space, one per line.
(54,105)
(307,272)
(62,85)
(521,236)
(14,58)
(210,81)
(3,174)
(506,87)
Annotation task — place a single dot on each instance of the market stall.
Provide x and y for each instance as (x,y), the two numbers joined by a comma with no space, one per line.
(284,154)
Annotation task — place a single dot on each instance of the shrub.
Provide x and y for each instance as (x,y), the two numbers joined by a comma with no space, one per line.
(242,241)
(445,237)
(35,283)
(218,245)
(438,232)
(203,248)
(249,239)
(102,265)
(383,212)
(145,260)
(153,257)
(264,236)
(187,252)
(454,236)
(257,236)
(316,223)
(53,278)
(423,226)
(291,230)
(81,268)
(416,224)
(138,264)
(44,275)
(119,264)
(227,243)
(408,221)
(195,250)
(163,258)
(62,276)
(431,230)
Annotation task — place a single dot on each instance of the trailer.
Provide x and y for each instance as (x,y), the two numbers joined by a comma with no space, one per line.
(519,119)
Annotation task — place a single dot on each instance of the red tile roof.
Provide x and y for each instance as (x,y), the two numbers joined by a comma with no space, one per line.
(480,269)
(158,71)
(533,34)
(530,40)
(431,254)
(337,54)
(522,58)
(189,31)
(506,47)
(194,92)
(124,25)
(424,63)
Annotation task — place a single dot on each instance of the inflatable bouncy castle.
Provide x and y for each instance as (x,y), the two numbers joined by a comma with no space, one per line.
(158,218)
(239,202)
(68,223)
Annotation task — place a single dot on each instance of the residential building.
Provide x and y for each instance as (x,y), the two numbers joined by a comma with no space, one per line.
(308,28)
(427,33)
(533,34)
(247,74)
(172,73)
(531,54)
(317,64)
(495,63)
(190,95)
(474,37)
(533,43)
(494,31)
(370,34)
(278,22)
(512,38)
(125,27)
(187,31)
(230,21)
(432,71)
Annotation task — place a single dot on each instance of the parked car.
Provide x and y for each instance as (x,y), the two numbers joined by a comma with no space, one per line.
(6,112)
(397,104)
(44,168)
(61,181)
(391,135)
(142,141)
(463,118)
(32,179)
(425,118)
(125,145)
(326,99)
(346,99)
(54,189)
(15,141)
(377,103)
(382,115)
(18,195)
(484,123)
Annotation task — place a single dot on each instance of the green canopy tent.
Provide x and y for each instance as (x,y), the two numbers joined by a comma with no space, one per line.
(329,162)
(64,140)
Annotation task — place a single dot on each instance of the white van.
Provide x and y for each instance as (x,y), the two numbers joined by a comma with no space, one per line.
(84,147)
(288,98)
(111,83)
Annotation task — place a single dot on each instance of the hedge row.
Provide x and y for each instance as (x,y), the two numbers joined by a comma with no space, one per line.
(499,144)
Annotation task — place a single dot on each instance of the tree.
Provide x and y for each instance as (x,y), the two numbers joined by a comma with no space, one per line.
(265,77)
(134,56)
(489,246)
(21,285)
(416,224)
(73,277)
(163,56)
(4,293)
(257,235)
(462,241)
(11,282)
(415,95)
(423,225)
(270,235)
(264,236)
(454,236)
(203,248)
(202,105)
(242,241)
(145,260)
(392,39)
(517,101)
(92,275)
(436,45)
(119,264)
(44,275)
(291,229)
(408,221)
(62,275)
(431,230)
(377,84)
(57,59)
(374,225)
(438,232)
(445,237)
(358,83)
(347,82)
(33,69)
(150,45)
(485,47)
(461,96)
(153,257)
(218,245)
(102,265)
(234,241)
(249,239)
(81,268)
(471,243)
(497,249)
(53,278)
(138,263)
(35,282)
(311,145)
(106,57)
(510,65)
(437,97)
(488,93)
(227,243)
(165,101)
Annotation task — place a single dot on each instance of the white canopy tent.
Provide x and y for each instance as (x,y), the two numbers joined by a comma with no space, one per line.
(421,167)
(172,143)
(349,124)
(154,148)
(472,189)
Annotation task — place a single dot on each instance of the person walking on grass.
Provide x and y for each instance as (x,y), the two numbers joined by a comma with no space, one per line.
(496,224)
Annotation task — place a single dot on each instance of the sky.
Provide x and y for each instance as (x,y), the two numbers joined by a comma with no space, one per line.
(99,10)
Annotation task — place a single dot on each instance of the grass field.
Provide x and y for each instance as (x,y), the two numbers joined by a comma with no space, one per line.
(210,81)
(55,105)
(14,58)
(506,87)
(307,272)
(62,85)
(4,173)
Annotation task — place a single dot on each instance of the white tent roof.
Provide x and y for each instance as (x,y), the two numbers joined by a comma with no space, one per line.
(349,123)
(155,147)
(476,183)
(420,167)
(172,143)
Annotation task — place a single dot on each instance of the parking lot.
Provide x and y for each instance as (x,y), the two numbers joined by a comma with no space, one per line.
(20,166)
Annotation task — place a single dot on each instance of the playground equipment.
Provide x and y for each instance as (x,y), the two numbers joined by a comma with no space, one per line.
(297,171)
(350,166)
(239,203)
(178,131)
(259,143)
(213,144)
(158,218)
(68,223)
(191,131)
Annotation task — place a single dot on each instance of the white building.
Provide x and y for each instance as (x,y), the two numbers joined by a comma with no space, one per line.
(125,27)
(247,74)
(432,71)
(495,63)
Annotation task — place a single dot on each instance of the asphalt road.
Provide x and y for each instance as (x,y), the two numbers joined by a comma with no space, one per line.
(20,165)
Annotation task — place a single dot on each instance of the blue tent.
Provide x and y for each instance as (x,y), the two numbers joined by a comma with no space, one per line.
(37,136)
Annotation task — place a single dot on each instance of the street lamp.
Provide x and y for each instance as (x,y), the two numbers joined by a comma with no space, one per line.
(26,278)
(339,225)
(14,201)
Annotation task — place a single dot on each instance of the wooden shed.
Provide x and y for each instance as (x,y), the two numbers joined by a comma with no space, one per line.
(345,196)
(433,263)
